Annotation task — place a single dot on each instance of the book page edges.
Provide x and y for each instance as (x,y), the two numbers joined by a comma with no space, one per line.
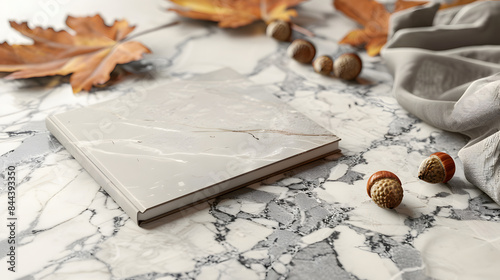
(234,183)
(67,140)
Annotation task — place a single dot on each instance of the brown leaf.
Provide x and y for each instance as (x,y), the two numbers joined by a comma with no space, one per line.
(365,12)
(356,37)
(375,19)
(374,46)
(236,13)
(403,5)
(90,55)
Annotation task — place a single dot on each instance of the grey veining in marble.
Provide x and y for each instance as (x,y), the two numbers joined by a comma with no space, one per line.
(315,222)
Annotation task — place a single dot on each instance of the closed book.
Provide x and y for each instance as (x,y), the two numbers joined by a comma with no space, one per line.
(162,149)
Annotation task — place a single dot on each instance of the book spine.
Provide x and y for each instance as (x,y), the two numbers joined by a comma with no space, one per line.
(66,139)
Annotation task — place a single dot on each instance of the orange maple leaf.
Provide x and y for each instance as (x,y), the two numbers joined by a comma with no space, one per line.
(375,19)
(236,13)
(90,54)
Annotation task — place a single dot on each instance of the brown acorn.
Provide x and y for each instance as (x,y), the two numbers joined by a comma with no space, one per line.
(279,30)
(347,66)
(437,168)
(301,50)
(385,189)
(323,65)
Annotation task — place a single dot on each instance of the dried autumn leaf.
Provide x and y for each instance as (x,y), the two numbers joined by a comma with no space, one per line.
(236,13)
(403,5)
(375,19)
(356,37)
(90,54)
(375,45)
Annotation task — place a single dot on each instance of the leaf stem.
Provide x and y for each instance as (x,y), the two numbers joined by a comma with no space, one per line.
(151,30)
(302,30)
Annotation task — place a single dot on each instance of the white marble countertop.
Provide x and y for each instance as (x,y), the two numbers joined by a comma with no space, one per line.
(315,222)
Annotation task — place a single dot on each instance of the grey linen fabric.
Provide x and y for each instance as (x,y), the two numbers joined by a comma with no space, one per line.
(446,67)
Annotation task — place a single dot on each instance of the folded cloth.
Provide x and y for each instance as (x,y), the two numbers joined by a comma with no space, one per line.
(446,67)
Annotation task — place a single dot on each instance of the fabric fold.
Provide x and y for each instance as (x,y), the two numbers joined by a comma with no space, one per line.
(448,75)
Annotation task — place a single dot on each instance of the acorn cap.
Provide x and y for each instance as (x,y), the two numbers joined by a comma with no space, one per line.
(448,165)
(437,168)
(377,176)
(385,189)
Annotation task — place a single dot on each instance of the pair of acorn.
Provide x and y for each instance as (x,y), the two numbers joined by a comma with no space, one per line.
(385,188)
(347,66)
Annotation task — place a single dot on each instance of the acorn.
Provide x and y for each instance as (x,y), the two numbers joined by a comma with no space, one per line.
(437,168)
(301,50)
(347,66)
(385,189)
(279,30)
(323,65)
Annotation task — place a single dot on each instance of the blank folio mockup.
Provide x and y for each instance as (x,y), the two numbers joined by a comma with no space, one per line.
(161,149)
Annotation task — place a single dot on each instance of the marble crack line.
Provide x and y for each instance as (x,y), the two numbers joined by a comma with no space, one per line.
(256,138)
(141,126)
(35,231)
(34,222)
(179,48)
(249,131)
(405,270)
(48,200)
(61,261)
(216,129)
(160,158)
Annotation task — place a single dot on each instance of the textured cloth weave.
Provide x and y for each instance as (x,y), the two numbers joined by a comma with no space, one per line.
(446,67)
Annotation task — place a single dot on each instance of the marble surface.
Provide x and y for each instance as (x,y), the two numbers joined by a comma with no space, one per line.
(315,222)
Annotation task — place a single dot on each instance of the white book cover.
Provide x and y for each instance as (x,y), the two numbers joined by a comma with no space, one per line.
(188,141)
